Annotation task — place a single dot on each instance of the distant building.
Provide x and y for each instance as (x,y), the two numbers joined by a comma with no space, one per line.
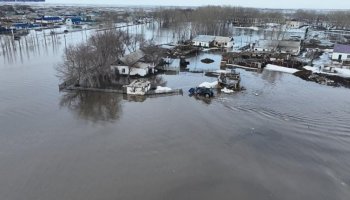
(88,18)
(226,42)
(49,20)
(203,41)
(278,46)
(73,21)
(24,25)
(294,23)
(134,64)
(341,52)
(4,30)
(212,41)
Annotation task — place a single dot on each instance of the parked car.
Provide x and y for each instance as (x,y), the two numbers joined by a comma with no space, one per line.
(202,91)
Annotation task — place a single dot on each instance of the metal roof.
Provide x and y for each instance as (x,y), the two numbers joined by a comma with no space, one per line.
(204,38)
(222,39)
(341,48)
(133,58)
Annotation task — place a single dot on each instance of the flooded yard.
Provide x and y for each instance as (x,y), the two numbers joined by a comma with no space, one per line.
(281,138)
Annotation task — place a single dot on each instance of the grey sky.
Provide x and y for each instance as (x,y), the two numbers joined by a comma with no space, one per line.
(316,4)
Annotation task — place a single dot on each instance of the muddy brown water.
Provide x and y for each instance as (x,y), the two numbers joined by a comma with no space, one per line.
(282,138)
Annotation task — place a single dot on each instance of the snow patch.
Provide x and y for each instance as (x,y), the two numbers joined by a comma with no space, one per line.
(227,91)
(161,89)
(280,69)
(313,69)
(209,85)
(345,73)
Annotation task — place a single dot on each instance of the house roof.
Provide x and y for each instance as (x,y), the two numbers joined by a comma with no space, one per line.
(74,19)
(50,18)
(133,58)
(204,38)
(341,48)
(143,65)
(221,39)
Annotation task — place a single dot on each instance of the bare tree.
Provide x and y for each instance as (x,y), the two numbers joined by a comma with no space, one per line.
(89,64)
(134,42)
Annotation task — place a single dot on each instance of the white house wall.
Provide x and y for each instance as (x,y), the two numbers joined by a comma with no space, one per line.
(229,45)
(69,22)
(344,56)
(137,90)
(202,44)
(124,70)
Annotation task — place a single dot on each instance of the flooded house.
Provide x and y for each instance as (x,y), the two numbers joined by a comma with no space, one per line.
(294,23)
(278,46)
(133,64)
(225,42)
(138,87)
(341,52)
(213,41)
(203,41)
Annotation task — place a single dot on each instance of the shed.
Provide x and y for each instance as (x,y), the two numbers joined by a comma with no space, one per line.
(138,87)
(341,52)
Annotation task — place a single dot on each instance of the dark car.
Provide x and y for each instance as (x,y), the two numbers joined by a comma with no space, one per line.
(202,91)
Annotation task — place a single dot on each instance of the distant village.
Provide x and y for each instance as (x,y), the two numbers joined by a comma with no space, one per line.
(18,18)
(314,47)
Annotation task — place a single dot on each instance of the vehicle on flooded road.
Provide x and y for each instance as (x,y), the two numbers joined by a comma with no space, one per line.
(201,91)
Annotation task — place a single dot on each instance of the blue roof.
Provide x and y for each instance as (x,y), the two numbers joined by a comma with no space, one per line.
(24,25)
(50,18)
(75,19)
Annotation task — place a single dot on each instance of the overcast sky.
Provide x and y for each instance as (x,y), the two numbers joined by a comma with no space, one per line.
(316,4)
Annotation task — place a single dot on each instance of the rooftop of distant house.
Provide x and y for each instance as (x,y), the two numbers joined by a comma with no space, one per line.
(341,48)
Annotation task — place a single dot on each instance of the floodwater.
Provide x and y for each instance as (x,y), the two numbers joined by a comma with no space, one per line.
(282,138)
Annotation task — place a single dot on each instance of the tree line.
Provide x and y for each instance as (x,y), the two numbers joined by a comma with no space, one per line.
(214,20)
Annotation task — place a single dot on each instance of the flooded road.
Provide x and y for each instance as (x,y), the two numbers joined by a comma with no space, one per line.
(282,138)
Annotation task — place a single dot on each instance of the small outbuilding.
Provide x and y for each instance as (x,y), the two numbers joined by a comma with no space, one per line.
(341,52)
(138,87)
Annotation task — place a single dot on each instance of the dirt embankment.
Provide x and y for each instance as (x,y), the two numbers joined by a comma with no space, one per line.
(324,79)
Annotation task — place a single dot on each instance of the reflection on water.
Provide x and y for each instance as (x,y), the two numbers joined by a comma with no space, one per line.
(29,47)
(134,98)
(93,106)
